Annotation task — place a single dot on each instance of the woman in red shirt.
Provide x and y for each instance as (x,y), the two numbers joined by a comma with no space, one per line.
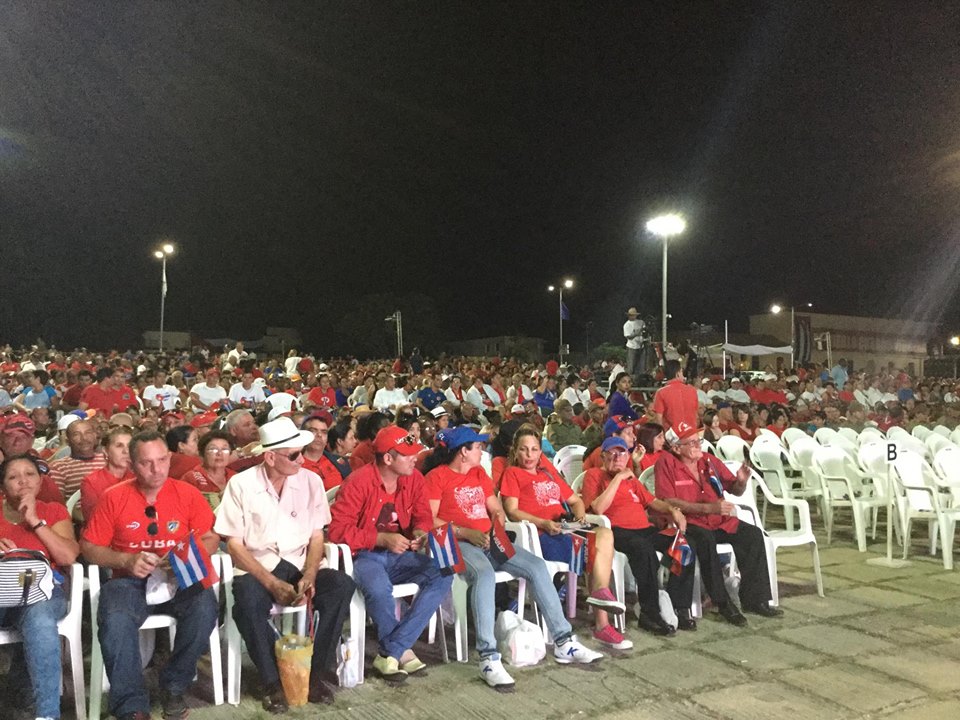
(210,477)
(45,527)
(743,424)
(650,437)
(614,491)
(116,447)
(461,493)
(534,491)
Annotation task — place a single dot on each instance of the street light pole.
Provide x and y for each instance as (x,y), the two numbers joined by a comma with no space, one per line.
(161,254)
(775,309)
(568,283)
(665,226)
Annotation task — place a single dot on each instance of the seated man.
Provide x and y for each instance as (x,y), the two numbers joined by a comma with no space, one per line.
(135,524)
(272,517)
(382,513)
(694,482)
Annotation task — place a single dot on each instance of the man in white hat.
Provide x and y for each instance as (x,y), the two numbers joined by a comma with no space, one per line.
(633,330)
(272,517)
(736,393)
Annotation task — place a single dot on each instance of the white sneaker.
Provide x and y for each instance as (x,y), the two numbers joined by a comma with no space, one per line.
(495,676)
(572,651)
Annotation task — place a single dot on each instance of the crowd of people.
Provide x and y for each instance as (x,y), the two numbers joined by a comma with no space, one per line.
(237,453)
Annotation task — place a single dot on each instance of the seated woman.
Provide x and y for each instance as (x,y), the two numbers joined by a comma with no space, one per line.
(211,475)
(613,490)
(45,527)
(116,447)
(341,440)
(711,427)
(650,437)
(461,493)
(779,421)
(184,452)
(534,491)
(743,426)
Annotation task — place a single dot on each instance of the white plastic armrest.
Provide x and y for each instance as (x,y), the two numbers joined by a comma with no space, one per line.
(346,558)
(601,520)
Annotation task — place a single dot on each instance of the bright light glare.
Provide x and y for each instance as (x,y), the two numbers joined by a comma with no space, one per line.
(167,248)
(775,309)
(550,288)
(666,225)
(568,284)
(158,255)
(955,341)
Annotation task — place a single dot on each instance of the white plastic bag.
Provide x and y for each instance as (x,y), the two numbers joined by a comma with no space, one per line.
(519,642)
(667,612)
(347,665)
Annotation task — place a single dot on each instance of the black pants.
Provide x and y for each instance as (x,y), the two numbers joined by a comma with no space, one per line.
(251,611)
(751,552)
(640,547)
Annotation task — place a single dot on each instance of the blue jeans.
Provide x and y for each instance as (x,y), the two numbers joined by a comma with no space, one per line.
(376,572)
(123,609)
(480,576)
(37,624)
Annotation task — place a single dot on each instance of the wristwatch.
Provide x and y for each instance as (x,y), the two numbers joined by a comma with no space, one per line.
(42,523)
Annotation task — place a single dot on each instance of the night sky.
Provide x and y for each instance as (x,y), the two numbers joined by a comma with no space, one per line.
(456,158)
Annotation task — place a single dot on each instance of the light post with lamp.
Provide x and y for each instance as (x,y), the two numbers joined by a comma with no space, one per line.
(568,284)
(161,254)
(665,227)
(776,310)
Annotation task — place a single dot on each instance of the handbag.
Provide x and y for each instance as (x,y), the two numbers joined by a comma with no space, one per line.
(25,578)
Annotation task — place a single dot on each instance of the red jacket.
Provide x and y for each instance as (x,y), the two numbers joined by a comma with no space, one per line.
(360,501)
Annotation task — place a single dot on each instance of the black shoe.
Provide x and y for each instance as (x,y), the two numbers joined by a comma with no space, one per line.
(321,691)
(656,625)
(765,610)
(732,615)
(274,701)
(685,621)
(174,706)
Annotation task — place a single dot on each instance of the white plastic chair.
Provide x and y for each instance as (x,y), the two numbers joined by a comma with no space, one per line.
(570,466)
(776,539)
(731,447)
(648,479)
(870,434)
(768,460)
(850,434)
(98,674)
(824,435)
(920,499)
(707,447)
(577,484)
(69,630)
(845,487)
(920,432)
(767,434)
(791,434)
(942,430)
(278,613)
(486,462)
(332,494)
(566,451)
(358,613)
(72,502)
(955,435)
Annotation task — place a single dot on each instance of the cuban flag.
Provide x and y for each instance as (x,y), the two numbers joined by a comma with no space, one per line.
(501,549)
(564,312)
(446,550)
(191,564)
(679,555)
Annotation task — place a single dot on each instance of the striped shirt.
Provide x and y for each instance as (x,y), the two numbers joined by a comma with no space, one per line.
(69,472)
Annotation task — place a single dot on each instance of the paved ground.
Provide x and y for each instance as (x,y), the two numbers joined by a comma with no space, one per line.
(882,643)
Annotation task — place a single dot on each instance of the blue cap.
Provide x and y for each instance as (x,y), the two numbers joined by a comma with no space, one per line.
(615,425)
(614,442)
(455,437)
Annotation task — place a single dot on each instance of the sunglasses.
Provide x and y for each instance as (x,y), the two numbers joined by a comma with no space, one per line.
(151,512)
(292,456)
(408,440)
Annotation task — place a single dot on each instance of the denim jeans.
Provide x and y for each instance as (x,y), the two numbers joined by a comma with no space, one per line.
(376,572)
(37,624)
(123,609)
(480,576)
(251,611)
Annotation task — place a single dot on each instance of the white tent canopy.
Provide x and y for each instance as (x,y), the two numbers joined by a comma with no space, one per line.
(756,349)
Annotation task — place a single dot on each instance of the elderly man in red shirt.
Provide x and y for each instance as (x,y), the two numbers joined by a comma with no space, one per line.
(694,482)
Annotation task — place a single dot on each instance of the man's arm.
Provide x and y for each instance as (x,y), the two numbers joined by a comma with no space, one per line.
(137,564)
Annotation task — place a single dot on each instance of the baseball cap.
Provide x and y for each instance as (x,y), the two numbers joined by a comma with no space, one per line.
(614,442)
(616,424)
(453,438)
(681,431)
(203,419)
(439,411)
(18,423)
(393,437)
(518,410)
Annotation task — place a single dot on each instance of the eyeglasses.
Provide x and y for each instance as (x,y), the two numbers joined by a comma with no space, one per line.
(151,512)
(292,456)
(218,451)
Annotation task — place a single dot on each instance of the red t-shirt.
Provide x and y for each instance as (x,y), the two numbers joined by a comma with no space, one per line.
(201,481)
(325,469)
(650,459)
(463,497)
(109,401)
(94,485)
(497,466)
(120,521)
(628,509)
(541,493)
(180,463)
(23,537)
(362,454)
(71,396)
(326,399)
(677,402)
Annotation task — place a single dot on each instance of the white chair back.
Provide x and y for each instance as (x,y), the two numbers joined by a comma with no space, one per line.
(731,447)
(568,450)
(870,434)
(920,432)
(850,434)
(824,435)
(942,430)
(792,434)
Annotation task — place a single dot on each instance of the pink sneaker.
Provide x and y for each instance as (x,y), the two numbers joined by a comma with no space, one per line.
(612,637)
(606,600)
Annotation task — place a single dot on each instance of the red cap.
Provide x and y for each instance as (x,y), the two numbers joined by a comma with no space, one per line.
(322,416)
(684,430)
(203,419)
(18,423)
(396,438)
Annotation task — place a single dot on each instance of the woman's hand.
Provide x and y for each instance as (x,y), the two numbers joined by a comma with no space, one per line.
(7,544)
(28,509)
(475,537)
(550,527)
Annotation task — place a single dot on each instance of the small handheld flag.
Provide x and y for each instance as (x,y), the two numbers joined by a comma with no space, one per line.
(501,549)
(191,564)
(679,555)
(446,550)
